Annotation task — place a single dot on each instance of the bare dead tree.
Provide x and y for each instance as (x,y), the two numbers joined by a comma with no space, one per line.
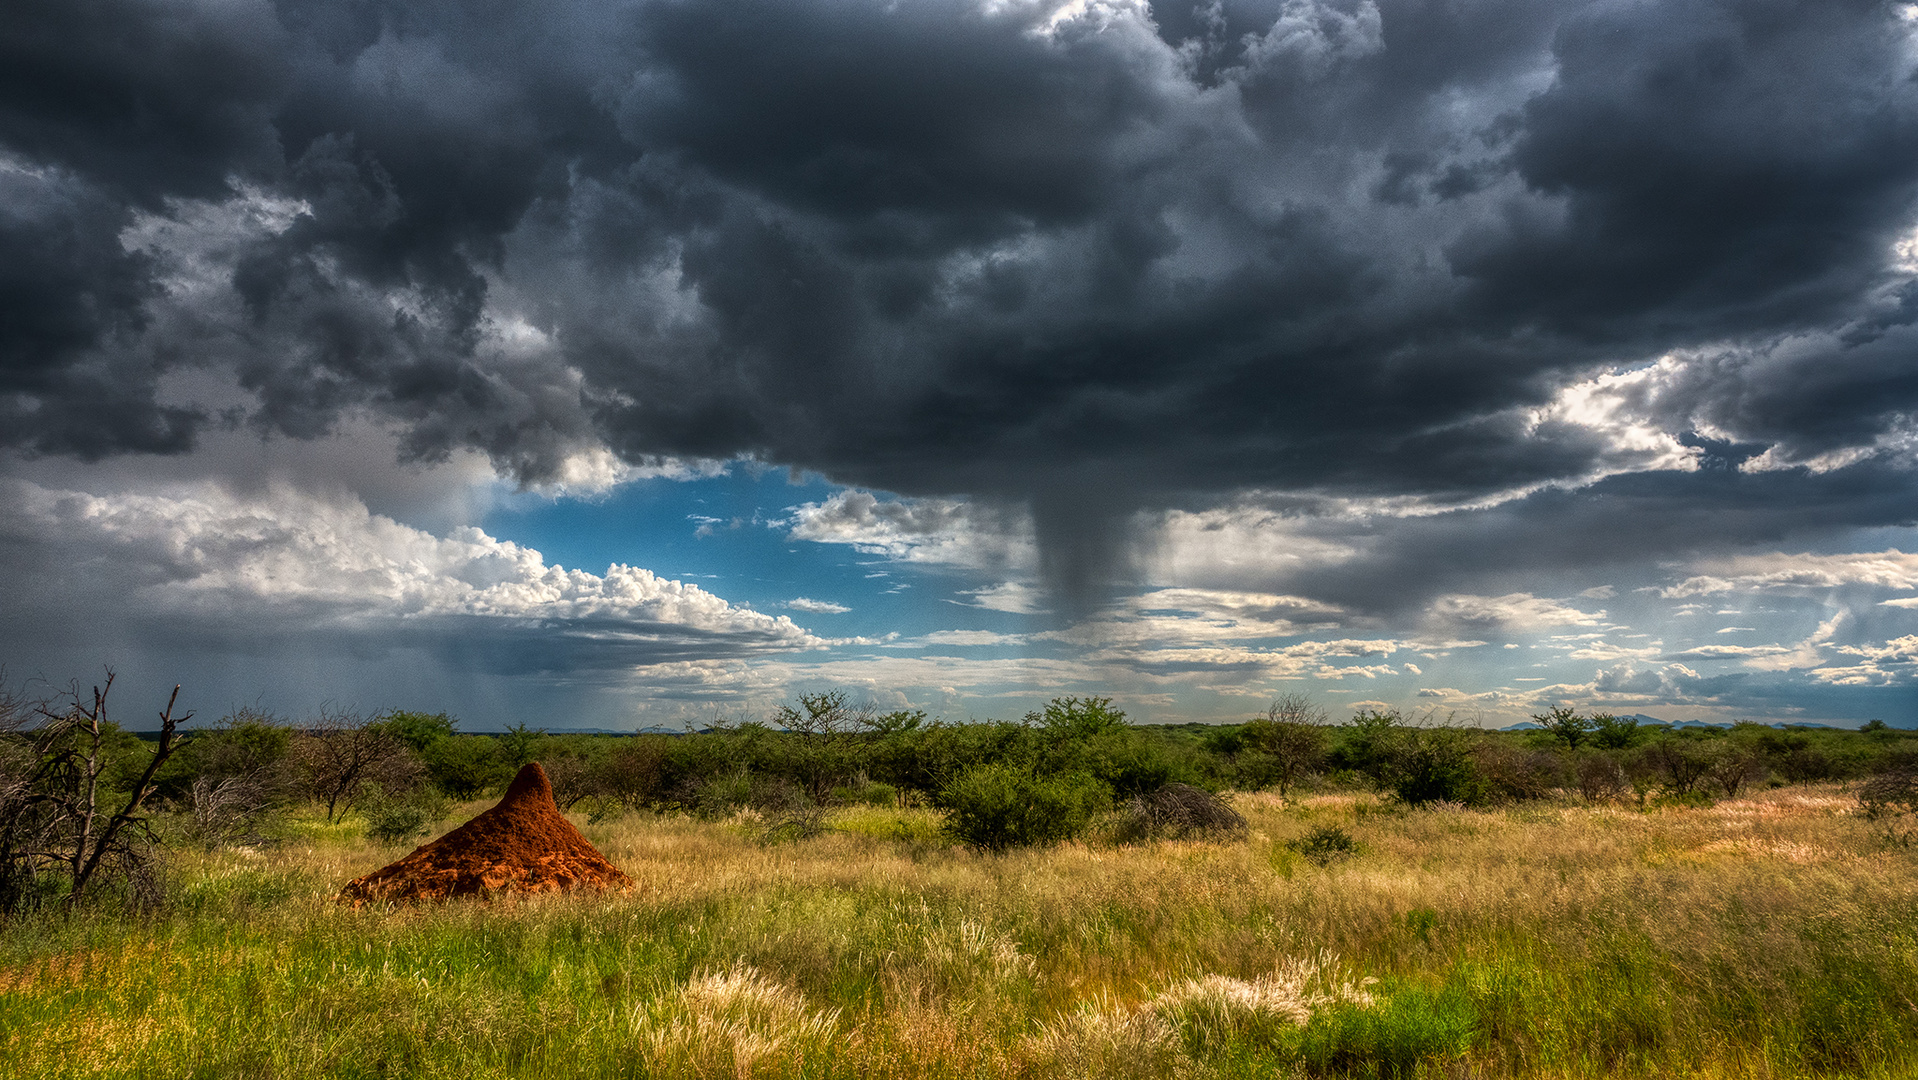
(55,809)
(26,822)
(95,841)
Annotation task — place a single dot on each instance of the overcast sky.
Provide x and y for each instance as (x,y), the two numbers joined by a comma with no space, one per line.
(609,363)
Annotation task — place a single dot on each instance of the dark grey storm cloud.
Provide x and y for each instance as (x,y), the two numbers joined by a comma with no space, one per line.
(1095,260)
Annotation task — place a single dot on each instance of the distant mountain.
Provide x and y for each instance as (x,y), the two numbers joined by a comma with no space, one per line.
(654,730)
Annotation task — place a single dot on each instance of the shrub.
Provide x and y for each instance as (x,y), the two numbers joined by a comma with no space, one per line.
(344,759)
(462,766)
(1325,845)
(1600,777)
(739,788)
(1437,764)
(1615,732)
(395,820)
(1895,787)
(1289,741)
(633,776)
(1733,765)
(1511,773)
(1680,761)
(1369,743)
(1002,806)
(517,744)
(1798,761)
(417,729)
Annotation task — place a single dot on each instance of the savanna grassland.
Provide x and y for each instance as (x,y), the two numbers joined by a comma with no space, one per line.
(1773,934)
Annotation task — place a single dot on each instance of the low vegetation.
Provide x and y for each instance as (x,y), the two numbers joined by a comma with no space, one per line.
(846,893)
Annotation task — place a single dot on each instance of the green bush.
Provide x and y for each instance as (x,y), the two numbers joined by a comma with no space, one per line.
(1325,844)
(417,729)
(396,820)
(1436,764)
(1616,732)
(463,766)
(1002,806)
(1396,1038)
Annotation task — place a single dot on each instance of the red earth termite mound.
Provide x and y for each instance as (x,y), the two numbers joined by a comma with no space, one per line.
(522,845)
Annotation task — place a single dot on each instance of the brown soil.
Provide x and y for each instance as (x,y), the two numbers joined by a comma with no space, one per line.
(522,845)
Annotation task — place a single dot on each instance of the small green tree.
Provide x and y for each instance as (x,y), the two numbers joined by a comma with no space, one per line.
(516,743)
(1615,732)
(1078,718)
(417,729)
(1290,738)
(1566,725)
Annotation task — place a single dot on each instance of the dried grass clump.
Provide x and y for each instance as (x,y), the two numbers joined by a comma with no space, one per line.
(973,949)
(1178,812)
(736,1023)
(1101,1042)
(1161,1037)
(1215,1008)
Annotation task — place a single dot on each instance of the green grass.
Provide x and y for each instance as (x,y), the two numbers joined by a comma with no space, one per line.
(1770,937)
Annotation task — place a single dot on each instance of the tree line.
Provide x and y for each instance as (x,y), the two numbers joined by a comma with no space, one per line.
(79,794)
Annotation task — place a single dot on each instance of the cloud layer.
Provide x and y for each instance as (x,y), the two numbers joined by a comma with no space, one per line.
(289,571)
(1079,260)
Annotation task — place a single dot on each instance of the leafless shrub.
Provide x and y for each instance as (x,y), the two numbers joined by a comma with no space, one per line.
(224,810)
(1515,774)
(1178,811)
(1601,778)
(1892,789)
(1732,767)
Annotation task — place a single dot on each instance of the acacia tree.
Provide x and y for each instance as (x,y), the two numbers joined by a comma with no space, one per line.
(1566,725)
(826,752)
(1682,761)
(1291,736)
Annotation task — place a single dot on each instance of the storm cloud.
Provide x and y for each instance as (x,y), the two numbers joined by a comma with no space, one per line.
(1088,259)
